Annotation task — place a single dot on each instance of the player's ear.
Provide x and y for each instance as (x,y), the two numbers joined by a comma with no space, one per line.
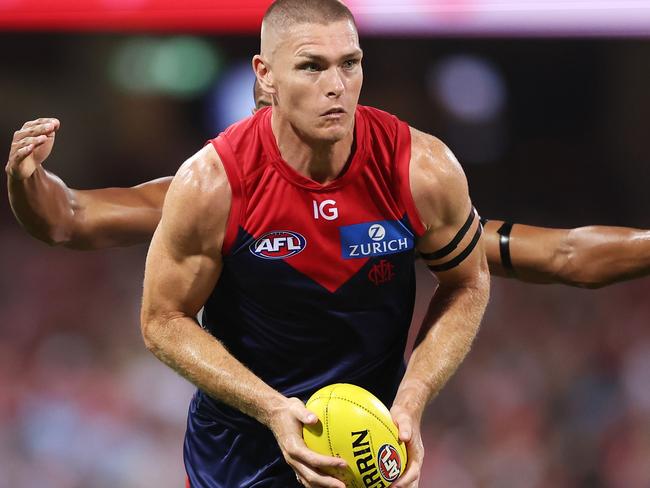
(263,73)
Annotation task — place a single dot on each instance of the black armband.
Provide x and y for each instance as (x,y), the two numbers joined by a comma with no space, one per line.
(449,248)
(452,263)
(504,247)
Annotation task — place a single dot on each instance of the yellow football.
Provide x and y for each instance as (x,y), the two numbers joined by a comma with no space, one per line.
(356,426)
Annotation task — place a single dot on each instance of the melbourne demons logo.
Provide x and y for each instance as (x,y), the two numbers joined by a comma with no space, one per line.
(389,462)
(382,272)
(278,244)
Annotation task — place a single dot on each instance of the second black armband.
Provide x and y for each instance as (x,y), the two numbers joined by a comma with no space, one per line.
(504,247)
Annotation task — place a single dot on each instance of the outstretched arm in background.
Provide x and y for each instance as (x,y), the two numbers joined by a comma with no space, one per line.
(78,219)
(587,257)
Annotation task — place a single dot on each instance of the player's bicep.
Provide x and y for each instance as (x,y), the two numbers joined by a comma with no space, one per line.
(451,245)
(454,251)
(184,260)
(178,280)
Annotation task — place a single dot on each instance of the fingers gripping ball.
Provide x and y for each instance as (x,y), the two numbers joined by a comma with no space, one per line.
(356,426)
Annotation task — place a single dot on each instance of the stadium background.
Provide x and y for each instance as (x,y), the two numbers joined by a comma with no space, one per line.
(549,116)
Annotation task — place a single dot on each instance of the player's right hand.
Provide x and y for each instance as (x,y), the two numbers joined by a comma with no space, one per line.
(31,146)
(309,466)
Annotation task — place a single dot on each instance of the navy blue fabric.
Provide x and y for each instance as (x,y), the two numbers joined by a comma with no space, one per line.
(219,457)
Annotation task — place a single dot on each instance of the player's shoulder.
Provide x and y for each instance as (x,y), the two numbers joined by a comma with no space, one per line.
(436,176)
(432,160)
(197,204)
(201,183)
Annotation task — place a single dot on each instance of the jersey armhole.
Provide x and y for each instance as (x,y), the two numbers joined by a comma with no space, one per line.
(237,206)
(403,152)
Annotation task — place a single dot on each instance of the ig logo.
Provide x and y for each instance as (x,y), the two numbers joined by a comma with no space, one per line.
(376,232)
(326,209)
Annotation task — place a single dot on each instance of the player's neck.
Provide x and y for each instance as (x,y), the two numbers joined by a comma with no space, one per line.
(321,161)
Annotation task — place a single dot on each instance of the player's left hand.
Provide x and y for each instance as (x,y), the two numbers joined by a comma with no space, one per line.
(409,433)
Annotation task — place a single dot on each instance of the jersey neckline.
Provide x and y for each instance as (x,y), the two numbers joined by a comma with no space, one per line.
(294,177)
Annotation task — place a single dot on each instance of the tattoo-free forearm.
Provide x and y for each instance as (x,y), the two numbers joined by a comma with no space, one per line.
(597,256)
(199,357)
(43,205)
(447,333)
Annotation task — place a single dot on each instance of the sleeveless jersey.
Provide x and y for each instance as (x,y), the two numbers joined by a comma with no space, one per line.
(318,283)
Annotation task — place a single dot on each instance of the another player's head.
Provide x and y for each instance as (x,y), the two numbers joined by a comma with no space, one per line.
(310,64)
(262,98)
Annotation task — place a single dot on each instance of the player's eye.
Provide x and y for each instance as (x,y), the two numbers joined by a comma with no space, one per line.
(310,67)
(350,63)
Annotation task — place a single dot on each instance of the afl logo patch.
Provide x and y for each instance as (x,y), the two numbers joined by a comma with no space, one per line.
(278,244)
(389,462)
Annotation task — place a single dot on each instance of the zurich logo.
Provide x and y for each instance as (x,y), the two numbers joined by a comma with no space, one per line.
(376,232)
(278,244)
(373,239)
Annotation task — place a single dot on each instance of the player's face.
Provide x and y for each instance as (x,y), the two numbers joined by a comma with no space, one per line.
(317,77)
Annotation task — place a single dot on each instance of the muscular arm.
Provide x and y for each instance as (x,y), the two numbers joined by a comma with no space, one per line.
(78,219)
(588,257)
(183,265)
(440,192)
(182,268)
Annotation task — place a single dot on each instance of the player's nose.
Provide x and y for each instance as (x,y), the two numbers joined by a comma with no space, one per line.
(334,83)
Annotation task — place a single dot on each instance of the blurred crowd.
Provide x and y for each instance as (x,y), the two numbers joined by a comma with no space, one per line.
(556,391)
(82,403)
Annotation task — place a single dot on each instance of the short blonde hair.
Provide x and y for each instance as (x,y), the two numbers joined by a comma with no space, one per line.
(285,13)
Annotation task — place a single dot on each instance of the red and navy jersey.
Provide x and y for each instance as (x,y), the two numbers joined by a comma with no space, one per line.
(318,281)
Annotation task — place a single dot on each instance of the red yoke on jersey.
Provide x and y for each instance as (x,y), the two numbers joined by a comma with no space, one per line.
(268,195)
